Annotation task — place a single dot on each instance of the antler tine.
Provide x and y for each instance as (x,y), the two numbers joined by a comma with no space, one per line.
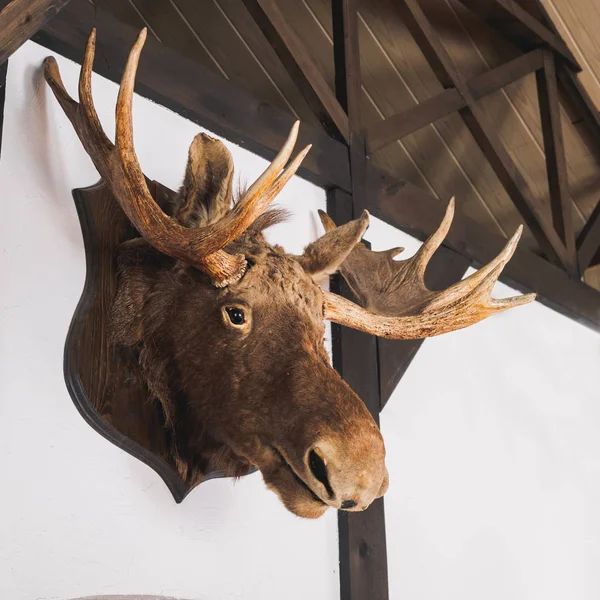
(271,172)
(86,101)
(489,273)
(135,198)
(421,259)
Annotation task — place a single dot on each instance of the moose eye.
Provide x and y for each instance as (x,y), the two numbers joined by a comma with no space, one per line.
(236,315)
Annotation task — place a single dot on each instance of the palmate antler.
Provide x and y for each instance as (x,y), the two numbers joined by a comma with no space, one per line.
(396,302)
(119,167)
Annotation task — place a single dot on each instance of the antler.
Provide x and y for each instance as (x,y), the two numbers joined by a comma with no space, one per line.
(397,303)
(119,167)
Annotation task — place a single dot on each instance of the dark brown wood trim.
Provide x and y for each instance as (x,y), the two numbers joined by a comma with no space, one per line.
(301,67)
(194,91)
(445,268)
(556,163)
(348,90)
(521,28)
(384,132)
(20,19)
(449,101)
(363,554)
(588,242)
(484,134)
(215,103)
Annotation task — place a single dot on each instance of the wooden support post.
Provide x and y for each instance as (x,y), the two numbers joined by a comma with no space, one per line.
(348,90)
(301,67)
(449,101)
(556,163)
(363,555)
(485,136)
(20,19)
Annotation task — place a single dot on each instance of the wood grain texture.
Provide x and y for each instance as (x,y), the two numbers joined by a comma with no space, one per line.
(441,158)
(298,62)
(450,101)
(105,381)
(520,26)
(194,91)
(485,134)
(556,163)
(578,23)
(20,19)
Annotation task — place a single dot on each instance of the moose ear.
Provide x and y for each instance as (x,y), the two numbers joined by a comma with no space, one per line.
(325,255)
(205,195)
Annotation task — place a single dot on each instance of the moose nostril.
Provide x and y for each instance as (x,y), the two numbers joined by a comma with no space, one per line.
(319,470)
(346,504)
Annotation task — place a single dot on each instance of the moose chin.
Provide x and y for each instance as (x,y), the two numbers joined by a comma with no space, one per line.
(229,329)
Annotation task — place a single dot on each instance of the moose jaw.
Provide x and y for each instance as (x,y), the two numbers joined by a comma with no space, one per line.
(230,328)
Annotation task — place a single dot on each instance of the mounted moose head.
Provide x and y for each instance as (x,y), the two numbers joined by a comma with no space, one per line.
(230,329)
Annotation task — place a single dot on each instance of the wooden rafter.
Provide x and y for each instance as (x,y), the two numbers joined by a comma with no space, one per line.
(556,162)
(20,19)
(588,242)
(485,136)
(301,67)
(518,26)
(450,100)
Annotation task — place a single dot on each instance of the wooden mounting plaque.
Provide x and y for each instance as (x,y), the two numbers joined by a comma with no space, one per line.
(105,381)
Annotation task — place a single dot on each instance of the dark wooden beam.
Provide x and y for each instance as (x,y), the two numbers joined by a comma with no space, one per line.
(485,135)
(574,98)
(20,19)
(556,163)
(588,242)
(384,132)
(580,107)
(193,91)
(219,105)
(301,67)
(445,268)
(348,90)
(519,27)
(449,101)
(363,555)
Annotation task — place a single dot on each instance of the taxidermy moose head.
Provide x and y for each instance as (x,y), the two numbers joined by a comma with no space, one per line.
(230,329)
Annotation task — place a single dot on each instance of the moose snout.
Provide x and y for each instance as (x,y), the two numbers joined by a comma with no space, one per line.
(348,478)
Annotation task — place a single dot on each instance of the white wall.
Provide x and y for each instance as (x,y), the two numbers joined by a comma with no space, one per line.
(493,439)
(79,516)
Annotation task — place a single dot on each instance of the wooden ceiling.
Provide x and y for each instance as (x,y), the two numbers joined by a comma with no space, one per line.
(442,158)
